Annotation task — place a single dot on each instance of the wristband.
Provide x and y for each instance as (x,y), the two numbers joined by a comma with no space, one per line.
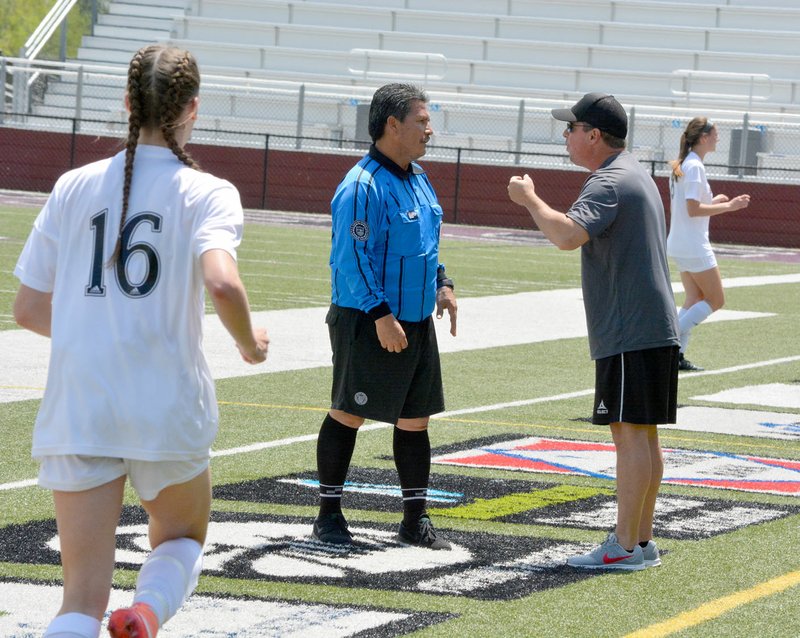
(442,279)
(381,310)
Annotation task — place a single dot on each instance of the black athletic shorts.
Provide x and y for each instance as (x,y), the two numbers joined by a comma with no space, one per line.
(639,387)
(374,383)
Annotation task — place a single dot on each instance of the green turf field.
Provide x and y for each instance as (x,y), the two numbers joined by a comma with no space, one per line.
(730,560)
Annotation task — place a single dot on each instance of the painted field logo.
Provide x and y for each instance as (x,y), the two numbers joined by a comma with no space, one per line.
(681,467)
(27,609)
(277,548)
(526,502)
(772,425)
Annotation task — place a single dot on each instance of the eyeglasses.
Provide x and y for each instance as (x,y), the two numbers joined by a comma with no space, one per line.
(572,125)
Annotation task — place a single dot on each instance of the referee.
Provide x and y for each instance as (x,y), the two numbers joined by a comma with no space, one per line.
(386,280)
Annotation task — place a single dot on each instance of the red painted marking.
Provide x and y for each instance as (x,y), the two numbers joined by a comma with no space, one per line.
(789,465)
(500,461)
(571,446)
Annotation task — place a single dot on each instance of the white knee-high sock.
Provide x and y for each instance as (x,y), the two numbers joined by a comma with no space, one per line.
(169,576)
(694,315)
(681,312)
(73,625)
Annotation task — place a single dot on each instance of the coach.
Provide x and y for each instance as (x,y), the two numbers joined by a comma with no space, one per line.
(386,280)
(618,221)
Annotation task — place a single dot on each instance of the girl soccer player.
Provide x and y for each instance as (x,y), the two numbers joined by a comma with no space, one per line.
(692,206)
(114,273)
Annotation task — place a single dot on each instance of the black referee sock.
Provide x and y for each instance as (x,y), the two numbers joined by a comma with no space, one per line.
(335,445)
(412,457)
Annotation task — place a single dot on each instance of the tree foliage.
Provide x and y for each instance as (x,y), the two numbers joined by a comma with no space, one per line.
(19,19)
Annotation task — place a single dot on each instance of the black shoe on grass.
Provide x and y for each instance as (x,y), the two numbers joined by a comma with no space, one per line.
(423,536)
(686,365)
(332,528)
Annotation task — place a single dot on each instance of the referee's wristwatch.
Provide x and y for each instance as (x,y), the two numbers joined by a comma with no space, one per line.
(442,279)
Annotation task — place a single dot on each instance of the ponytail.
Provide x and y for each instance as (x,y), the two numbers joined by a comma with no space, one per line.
(697,127)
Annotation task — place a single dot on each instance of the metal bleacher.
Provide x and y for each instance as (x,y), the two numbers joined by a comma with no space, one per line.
(493,67)
(542,46)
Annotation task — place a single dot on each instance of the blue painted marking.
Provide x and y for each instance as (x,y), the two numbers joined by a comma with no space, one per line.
(789,428)
(439,496)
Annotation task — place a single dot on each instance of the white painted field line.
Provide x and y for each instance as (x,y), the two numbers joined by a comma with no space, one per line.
(582,393)
(443,415)
(255,447)
(283,442)
(746,366)
(17,484)
(513,404)
(300,340)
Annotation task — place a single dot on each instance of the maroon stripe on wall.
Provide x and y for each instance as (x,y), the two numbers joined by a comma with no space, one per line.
(305,182)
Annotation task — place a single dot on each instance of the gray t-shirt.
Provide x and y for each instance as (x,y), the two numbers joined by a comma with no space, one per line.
(626,286)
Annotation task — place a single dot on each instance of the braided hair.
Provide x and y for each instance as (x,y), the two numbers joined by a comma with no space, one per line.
(162,81)
(694,130)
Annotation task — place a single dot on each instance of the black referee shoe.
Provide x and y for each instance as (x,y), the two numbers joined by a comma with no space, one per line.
(686,365)
(332,528)
(423,536)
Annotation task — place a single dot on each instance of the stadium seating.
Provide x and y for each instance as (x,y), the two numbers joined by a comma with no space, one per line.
(484,45)
(721,58)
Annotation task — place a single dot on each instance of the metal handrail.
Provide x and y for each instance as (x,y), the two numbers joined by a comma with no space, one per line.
(46,29)
(36,42)
(361,63)
(343,91)
(688,76)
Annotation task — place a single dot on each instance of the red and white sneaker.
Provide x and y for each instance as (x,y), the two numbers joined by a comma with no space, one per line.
(139,621)
(610,555)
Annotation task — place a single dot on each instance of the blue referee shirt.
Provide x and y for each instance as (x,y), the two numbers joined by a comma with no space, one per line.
(385,239)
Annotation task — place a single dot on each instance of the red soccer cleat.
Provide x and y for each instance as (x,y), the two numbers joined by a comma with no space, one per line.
(139,621)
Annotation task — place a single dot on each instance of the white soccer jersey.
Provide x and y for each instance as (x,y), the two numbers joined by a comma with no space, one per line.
(688,236)
(127,375)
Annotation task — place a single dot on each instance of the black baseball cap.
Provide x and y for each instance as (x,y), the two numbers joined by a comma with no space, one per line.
(600,110)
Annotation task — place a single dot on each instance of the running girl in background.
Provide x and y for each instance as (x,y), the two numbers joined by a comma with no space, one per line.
(692,205)
(114,272)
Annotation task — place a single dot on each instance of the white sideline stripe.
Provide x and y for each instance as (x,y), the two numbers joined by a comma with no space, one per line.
(513,404)
(746,366)
(255,447)
(300,338)
(283,442)
(444,415)
(17,484)
(582,393)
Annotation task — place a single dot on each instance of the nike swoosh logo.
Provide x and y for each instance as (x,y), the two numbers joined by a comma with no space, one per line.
(608,560)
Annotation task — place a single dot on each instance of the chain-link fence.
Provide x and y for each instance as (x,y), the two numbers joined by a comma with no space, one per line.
(286,145)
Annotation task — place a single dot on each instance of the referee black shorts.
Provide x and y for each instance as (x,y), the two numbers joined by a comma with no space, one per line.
(374,383)
(639,387)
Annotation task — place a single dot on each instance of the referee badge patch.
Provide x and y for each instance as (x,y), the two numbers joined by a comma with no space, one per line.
(360,398)
(359,230)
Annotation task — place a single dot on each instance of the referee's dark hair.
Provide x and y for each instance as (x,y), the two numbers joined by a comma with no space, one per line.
(392,100)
